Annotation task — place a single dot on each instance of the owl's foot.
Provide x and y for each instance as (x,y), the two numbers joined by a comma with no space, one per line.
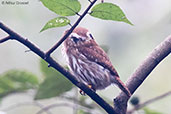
(83,93)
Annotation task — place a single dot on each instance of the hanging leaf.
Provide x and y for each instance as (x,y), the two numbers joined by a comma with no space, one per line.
(16,81)
(109,11)
(22,77)
(63,7)
(56,22)
(47,71)
(54,84)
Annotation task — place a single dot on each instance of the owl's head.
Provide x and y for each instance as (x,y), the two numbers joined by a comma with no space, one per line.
(79,37)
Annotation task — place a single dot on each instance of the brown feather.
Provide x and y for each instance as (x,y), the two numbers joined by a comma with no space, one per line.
(94,53)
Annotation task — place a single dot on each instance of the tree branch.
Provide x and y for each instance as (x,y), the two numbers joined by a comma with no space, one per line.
(139,106)
(5,39)
(142,72)
(70,30)
(55,65)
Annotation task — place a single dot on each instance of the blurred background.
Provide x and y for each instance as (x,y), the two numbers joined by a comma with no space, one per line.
(128,47)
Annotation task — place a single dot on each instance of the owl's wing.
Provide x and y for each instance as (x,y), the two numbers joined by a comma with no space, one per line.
(95,54)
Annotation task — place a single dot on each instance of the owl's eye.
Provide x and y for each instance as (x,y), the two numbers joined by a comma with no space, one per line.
(75,39)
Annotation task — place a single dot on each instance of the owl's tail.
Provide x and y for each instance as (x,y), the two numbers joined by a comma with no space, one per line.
(121,85)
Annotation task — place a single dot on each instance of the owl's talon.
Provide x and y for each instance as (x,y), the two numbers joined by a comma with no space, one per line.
(90,86)
(82,92)
(88,62)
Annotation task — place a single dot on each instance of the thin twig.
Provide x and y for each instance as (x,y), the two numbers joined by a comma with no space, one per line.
(65,105)
(139,106)
(78,14)
(5,39)
(58,67)
(142,72)
(70,30)
(27,51)
(70,24)
(90,1)
(12,107)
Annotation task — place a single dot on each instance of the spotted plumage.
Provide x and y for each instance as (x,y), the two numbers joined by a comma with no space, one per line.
(89,63)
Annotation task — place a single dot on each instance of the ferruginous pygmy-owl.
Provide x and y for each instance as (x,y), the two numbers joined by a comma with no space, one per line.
(89,63)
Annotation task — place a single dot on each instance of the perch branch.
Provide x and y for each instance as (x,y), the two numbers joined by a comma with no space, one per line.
(139,106)
(70,30)
(58,67)
(142,72)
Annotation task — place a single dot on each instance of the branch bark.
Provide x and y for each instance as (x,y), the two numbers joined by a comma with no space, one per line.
(142,72)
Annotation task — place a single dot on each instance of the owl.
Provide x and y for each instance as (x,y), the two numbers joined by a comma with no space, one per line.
(89,63)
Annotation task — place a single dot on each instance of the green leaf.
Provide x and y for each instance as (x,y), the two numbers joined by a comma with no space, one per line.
(149,111)
(82,112)
(63,7)
(23,77)
(47,71)
(16,81)
(56,22)
(109,11)
(54,84)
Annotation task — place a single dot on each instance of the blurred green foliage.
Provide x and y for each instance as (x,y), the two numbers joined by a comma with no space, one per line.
(17,81)
(54,83)
(82,112)
(149,111)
